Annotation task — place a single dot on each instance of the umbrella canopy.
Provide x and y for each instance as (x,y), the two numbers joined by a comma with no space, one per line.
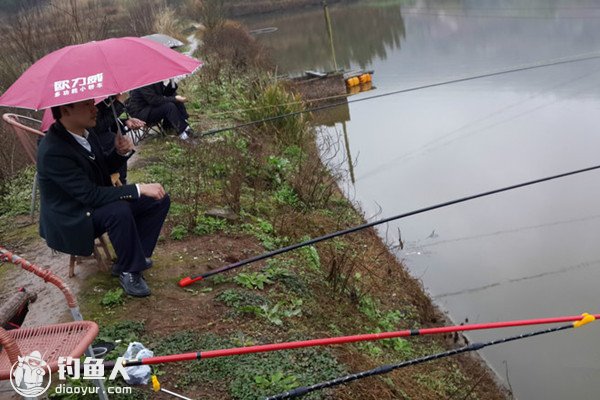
(165,40)
(95,70)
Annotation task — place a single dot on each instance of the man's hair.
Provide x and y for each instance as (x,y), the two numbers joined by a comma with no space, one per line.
(56,114)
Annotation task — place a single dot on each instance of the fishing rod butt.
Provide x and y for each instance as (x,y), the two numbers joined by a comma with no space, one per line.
(187,281)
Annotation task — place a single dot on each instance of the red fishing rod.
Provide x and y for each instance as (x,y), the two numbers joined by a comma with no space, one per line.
(384,369)
(191,279)
(577,319)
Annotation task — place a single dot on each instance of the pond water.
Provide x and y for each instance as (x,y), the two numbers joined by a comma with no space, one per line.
(528,253)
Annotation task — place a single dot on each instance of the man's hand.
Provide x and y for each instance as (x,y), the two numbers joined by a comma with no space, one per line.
(180,99)
(154,190)
(123,144)
(135,124)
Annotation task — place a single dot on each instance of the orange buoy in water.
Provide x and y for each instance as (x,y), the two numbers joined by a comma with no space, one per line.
(354,81)
(364,78)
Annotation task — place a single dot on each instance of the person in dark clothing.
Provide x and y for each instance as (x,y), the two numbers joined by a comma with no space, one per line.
(106,126)
(160,102)
(78,202)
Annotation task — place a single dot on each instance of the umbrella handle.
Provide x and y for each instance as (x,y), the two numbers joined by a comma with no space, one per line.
(112,105)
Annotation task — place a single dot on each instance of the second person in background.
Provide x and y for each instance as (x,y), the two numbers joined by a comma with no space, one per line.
(160,102)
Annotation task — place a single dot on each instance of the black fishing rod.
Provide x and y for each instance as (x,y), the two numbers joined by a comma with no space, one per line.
(412,89)
(191,279)
(384,369)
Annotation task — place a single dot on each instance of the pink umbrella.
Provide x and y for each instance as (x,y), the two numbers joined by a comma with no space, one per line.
(47,120)
(95,70)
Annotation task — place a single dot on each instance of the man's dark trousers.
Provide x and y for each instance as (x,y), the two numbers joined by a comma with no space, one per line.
(174,114)
(133,228)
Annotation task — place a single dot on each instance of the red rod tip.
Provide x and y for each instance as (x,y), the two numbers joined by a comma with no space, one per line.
(188,281)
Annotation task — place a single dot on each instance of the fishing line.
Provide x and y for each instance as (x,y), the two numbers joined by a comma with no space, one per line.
(500,16)
(417,246)
(563,270)
(431,145)
(559,61)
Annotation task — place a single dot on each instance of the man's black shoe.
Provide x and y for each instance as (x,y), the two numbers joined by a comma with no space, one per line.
(117,269)
(134,284)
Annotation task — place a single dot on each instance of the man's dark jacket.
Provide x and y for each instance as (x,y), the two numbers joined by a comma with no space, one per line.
(106,125)
(143,100)
(73,182)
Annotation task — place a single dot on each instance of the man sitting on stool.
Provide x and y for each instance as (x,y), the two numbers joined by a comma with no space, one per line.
(79,203)
(160,102)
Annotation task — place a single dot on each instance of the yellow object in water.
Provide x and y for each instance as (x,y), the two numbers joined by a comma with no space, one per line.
(354,81)
(354,89)
(366,86)
(364,78)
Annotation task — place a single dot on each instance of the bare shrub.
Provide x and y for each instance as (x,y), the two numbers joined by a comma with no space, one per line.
(142,15)
(320,168)
(77,21)
(234,155)
(193,9)
(166,22)
(12,157)
(341,262)
(231,44)
(212,13)
(208,173)
(357,264)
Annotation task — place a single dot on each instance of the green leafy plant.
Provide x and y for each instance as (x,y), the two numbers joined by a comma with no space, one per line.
(179,232)
(277,382)
(253,280)
(386,322)
(271,314)
(15,197)
(277,313)
(311,255)
(278,168)
(262,230)
(286,195)
(209,225)
(371,349)
(238,298)
(113,298)
(220,279)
